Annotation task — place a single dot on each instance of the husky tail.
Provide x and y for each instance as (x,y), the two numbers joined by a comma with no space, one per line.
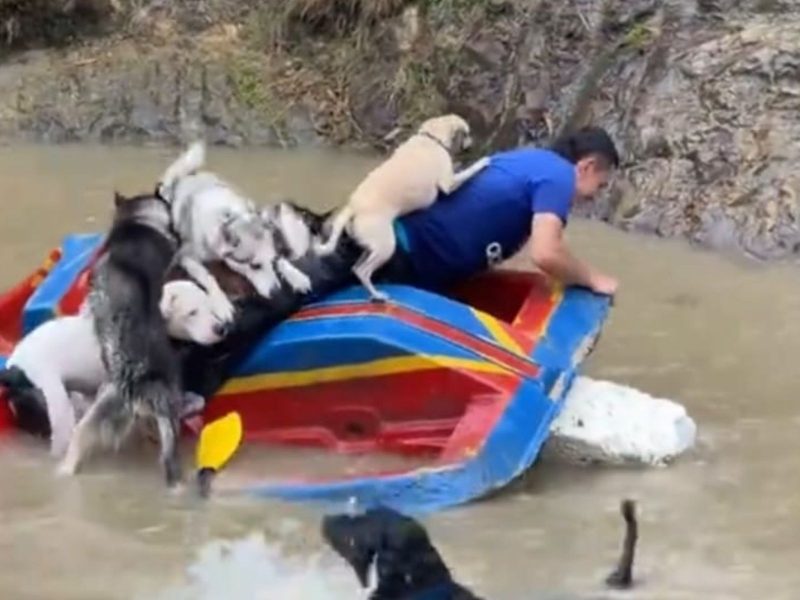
(187,163)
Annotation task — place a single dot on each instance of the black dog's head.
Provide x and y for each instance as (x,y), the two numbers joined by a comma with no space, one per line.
(406,563)
(27,402)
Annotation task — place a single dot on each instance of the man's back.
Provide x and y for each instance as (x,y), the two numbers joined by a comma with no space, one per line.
(489,217)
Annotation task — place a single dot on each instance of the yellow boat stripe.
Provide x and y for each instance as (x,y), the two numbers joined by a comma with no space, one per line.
(499,333)
(556,295)
(384,366)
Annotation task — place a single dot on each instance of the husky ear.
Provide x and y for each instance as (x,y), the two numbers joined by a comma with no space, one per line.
(118,199)
(230,236)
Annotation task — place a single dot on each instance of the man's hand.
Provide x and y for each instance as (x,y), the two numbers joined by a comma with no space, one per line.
(603,284)
(551,255)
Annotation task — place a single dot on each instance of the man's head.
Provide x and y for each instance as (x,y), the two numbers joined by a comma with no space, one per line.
(594,155)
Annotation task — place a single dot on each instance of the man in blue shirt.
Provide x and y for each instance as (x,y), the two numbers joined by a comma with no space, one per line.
(526,192)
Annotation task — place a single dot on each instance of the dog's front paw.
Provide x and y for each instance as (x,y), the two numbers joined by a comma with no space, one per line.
(299,281)
(191,405)
(223,308)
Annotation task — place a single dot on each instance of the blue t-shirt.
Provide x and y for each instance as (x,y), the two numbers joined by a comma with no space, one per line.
(488,218)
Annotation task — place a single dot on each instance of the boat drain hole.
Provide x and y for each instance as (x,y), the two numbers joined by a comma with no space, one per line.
(355,429)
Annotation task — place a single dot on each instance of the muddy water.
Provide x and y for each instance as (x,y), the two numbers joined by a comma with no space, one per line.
(716,334)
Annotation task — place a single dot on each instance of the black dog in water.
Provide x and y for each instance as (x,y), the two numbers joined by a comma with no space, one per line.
(408,566)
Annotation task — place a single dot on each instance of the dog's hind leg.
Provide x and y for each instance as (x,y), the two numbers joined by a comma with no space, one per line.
(61,412)
(450,182)
(107,421)
(165,406)
(170,460)
(376,235)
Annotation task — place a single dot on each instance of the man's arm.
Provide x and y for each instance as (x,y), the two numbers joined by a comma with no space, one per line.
(550,254)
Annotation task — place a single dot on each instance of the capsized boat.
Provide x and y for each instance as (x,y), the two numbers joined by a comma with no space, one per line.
(467,382)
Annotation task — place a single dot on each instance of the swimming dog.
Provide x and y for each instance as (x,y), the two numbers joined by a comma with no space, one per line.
(399,551)
(61,358)
(410,179)
(143,370)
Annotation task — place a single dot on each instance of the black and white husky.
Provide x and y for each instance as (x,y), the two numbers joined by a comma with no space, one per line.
(217,222)
(142,366)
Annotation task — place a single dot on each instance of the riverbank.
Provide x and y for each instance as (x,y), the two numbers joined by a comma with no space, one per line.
(702,96)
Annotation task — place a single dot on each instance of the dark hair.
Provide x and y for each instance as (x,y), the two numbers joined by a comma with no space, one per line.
(585,141)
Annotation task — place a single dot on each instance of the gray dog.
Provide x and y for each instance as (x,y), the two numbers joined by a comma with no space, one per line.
(143,370)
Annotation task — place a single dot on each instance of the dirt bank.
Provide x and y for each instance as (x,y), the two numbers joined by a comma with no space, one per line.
(702,95)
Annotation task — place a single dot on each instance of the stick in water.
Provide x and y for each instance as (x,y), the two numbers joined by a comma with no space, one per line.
(622,577)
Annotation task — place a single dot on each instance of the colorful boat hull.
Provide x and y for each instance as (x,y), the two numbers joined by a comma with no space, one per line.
(469,382)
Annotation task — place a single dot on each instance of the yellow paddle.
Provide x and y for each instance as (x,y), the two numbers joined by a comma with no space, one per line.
(217,444)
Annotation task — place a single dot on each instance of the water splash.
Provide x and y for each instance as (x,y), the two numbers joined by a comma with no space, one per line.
(252,568)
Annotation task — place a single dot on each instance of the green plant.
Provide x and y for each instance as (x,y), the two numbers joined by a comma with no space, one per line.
(638,36)
(414,89)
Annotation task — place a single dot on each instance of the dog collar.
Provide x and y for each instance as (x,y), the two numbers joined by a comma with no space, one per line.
(435,139)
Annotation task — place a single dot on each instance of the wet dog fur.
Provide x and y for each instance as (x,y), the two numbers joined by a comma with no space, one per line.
(407,566)
(142,366)
(61,358)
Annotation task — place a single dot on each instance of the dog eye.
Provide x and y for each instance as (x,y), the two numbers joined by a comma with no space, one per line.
(256,266)
(193,313)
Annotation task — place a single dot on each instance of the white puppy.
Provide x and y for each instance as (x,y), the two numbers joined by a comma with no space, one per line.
(215,221)
(62,356)
(410,179)
(187,310)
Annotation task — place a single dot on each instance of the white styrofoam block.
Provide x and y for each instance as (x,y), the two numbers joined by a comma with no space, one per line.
(607,423)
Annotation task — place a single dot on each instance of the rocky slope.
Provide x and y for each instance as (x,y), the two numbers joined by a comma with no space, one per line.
(702,95)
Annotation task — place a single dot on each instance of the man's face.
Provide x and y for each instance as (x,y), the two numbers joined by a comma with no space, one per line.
(592,175)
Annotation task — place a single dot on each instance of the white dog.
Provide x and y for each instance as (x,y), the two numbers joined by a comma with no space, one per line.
(410,179)
(60,360)
(214,221)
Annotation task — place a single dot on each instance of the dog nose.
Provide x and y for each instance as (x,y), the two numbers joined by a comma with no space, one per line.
(221,329)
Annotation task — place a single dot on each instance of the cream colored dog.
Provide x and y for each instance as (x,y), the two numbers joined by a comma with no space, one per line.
(410,179)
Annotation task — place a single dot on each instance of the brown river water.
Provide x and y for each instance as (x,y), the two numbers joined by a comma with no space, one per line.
(719,335)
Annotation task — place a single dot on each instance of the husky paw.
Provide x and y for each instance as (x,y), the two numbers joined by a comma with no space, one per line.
(223,308)
(192,404)
(298,280)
